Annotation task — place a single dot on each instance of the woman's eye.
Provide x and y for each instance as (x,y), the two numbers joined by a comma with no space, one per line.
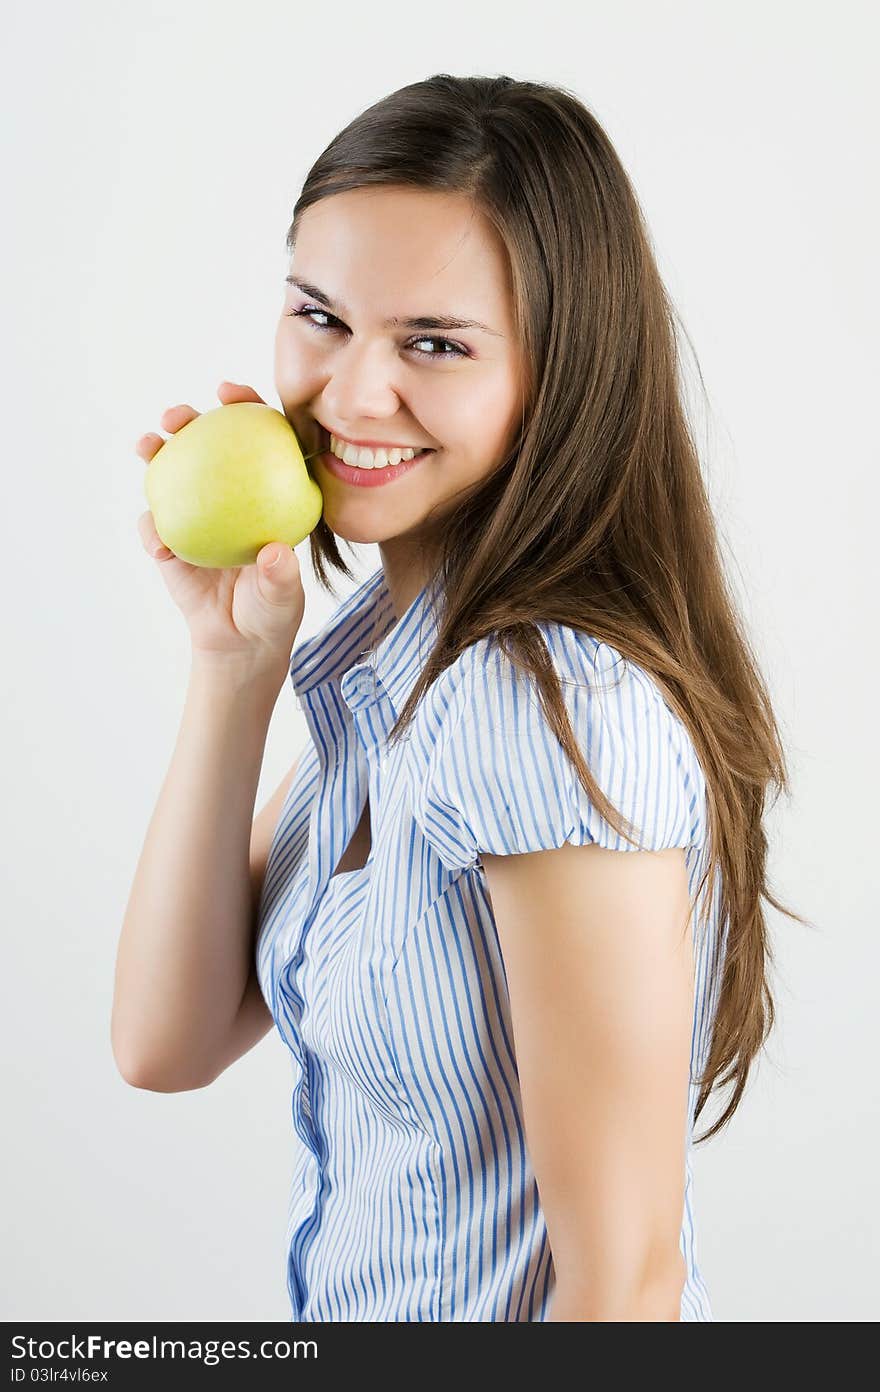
(310,309)
(455,349)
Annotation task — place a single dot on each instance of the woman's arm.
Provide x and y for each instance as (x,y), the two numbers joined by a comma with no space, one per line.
(185,953)
(600,974)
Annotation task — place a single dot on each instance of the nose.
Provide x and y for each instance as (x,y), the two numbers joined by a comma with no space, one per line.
(360,386)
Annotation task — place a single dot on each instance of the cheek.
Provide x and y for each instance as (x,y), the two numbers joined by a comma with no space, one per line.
(294,365)
(478,423)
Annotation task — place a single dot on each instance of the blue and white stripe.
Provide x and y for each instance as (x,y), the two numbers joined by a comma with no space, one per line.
(412,1195)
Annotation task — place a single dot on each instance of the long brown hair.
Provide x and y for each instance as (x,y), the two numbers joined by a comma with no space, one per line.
(597,517)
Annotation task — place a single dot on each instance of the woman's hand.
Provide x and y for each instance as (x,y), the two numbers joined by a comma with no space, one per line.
(251,612)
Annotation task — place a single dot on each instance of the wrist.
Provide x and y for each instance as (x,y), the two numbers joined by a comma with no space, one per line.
(257,673)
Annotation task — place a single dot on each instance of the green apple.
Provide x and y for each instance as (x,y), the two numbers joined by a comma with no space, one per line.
(228,483)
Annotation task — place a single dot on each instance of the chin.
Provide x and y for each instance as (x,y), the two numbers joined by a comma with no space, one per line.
(354,536)
(364,535)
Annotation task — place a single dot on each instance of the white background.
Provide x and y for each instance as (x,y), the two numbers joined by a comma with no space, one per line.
(152,156)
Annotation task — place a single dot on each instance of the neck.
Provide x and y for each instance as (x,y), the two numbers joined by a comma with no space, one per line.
(405,573)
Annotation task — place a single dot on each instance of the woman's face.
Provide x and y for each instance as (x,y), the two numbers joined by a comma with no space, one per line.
(404,253)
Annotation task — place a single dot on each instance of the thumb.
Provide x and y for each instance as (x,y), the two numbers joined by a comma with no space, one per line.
(276,566)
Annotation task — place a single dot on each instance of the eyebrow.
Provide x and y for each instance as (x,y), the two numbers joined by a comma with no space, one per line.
(425,321)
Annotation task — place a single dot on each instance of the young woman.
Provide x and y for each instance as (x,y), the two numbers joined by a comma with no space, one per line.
(502,1029)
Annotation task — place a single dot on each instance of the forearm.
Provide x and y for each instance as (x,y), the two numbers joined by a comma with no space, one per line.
(185,949)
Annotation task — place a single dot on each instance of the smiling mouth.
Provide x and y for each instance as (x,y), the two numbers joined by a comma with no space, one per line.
(323,446)
(361,478)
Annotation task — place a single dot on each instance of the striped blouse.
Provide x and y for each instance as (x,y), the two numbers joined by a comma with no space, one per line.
(413,1195)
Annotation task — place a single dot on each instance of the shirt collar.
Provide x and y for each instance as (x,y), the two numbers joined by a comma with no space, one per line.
(338,653)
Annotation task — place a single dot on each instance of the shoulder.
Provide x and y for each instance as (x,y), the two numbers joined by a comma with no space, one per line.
(485,690)
(485,673)
(488,768)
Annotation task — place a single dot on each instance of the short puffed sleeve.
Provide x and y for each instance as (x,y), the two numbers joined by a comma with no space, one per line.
(487,773)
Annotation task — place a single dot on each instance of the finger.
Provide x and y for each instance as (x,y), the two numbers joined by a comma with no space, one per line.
(149,445)
(229,392)
(150,538)
(176,417)
(278,573)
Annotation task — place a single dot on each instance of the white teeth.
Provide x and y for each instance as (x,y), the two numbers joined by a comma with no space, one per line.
(362,458)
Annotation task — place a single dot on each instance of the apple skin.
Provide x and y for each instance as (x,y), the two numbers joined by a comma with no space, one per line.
(228,483)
